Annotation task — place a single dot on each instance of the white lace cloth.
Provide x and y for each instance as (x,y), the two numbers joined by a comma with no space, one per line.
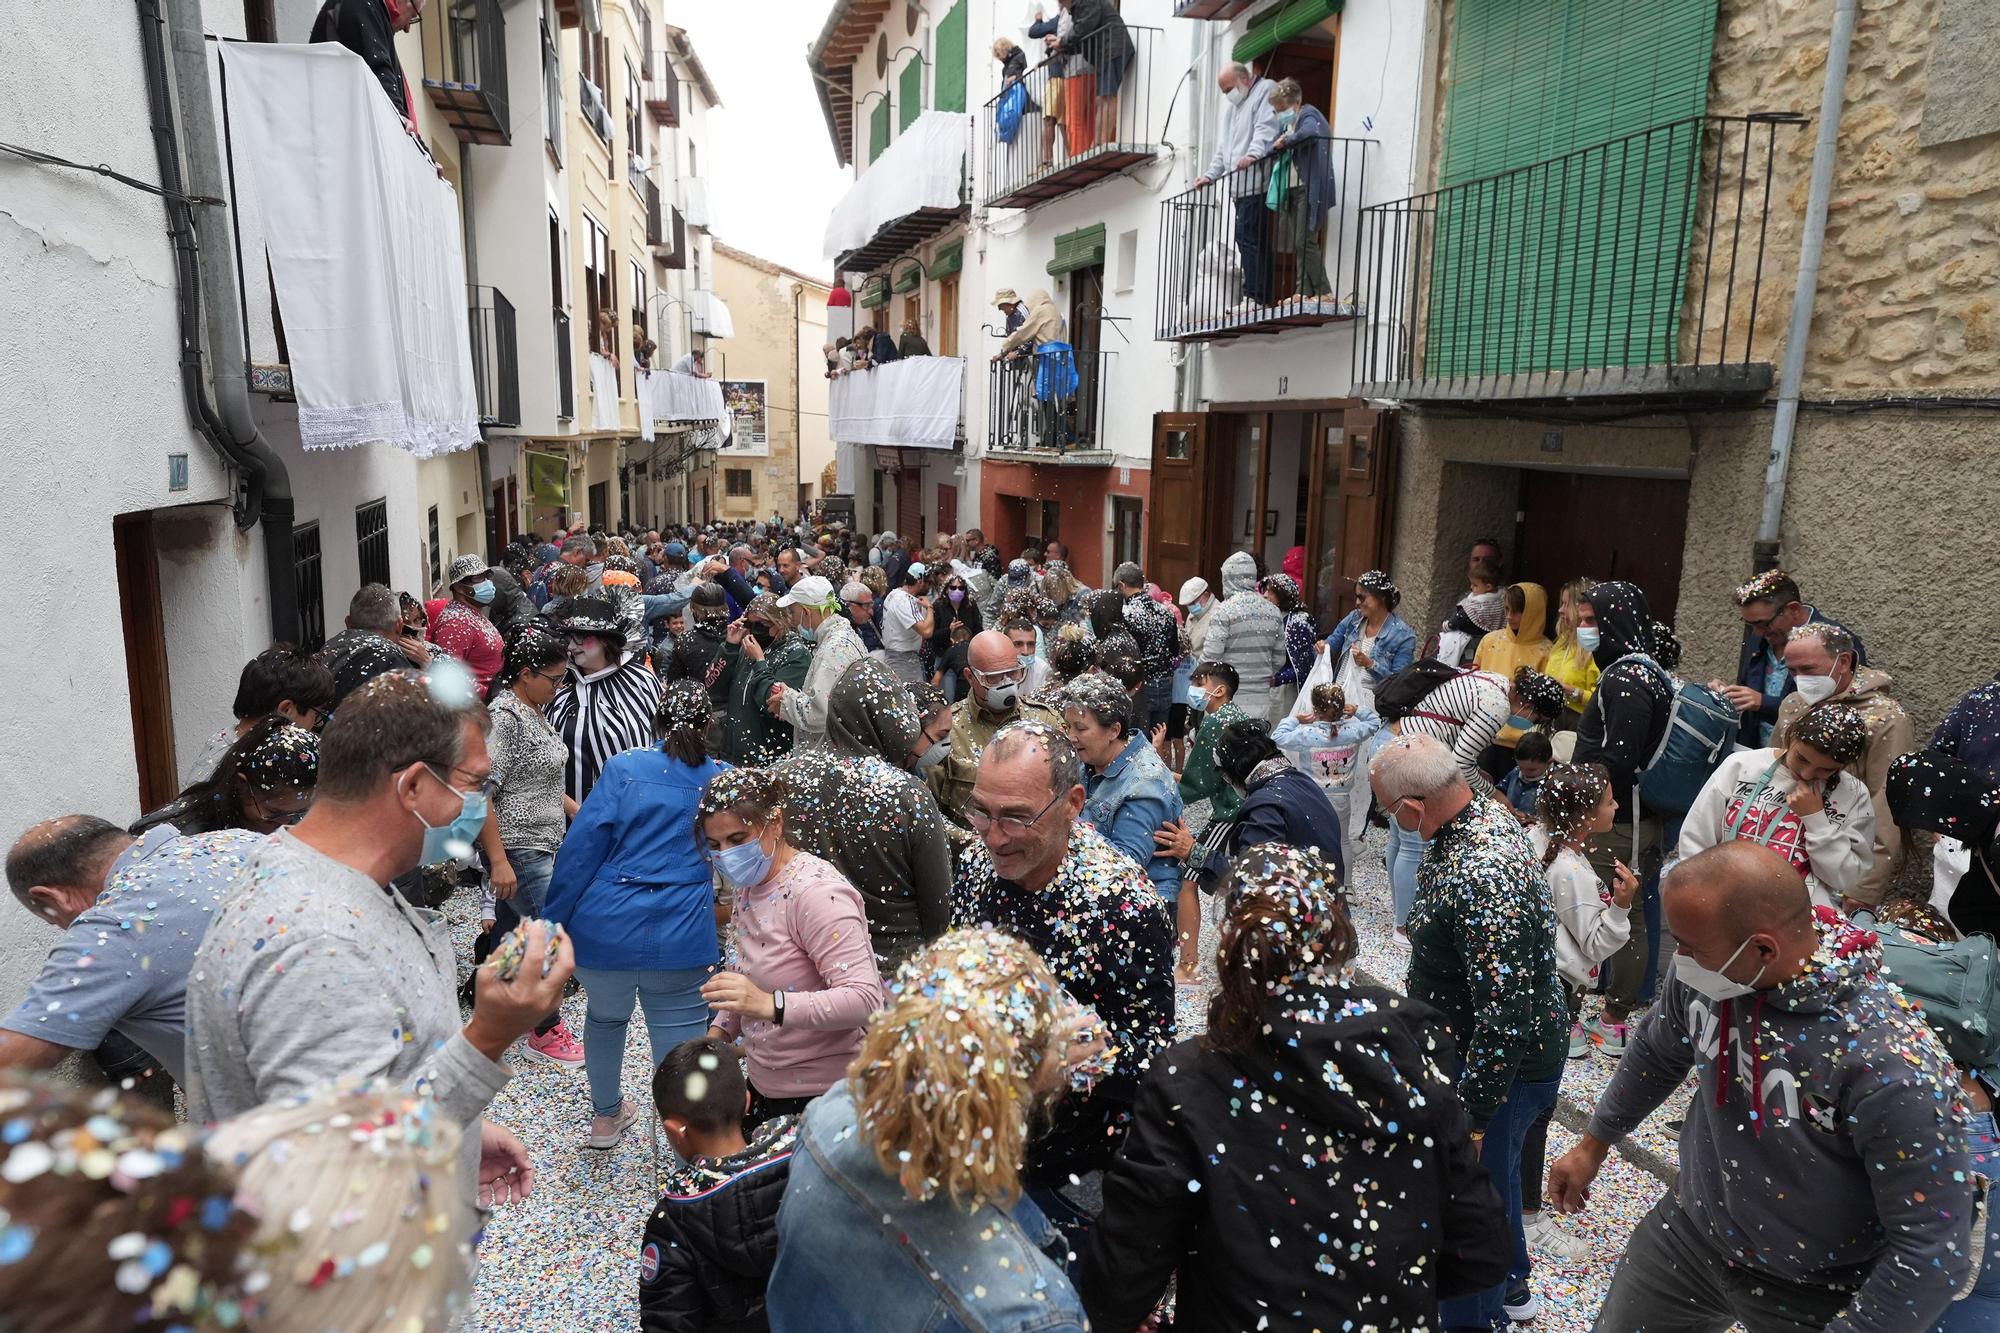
(603,393)
(923,168)
(671,396)
(364,248)
(913,403)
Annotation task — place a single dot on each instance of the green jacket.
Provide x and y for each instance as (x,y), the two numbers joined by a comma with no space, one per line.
(1201,780)
(1483,953)
(750,735)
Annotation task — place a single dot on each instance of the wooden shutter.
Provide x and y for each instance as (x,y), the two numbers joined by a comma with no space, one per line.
(1179,537)
(878,130)
(948,61)
(910,89)
(1530,82)
(1367,498)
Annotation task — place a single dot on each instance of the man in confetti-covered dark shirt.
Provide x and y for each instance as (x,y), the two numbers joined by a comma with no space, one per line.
(1483,953)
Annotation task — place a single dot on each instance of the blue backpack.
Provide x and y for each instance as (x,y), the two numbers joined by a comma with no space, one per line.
(1700,734)
(1007,115)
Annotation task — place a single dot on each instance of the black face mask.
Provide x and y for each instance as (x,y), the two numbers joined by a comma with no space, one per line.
(764,635)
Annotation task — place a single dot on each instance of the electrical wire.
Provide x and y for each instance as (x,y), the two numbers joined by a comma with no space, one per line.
(105,170)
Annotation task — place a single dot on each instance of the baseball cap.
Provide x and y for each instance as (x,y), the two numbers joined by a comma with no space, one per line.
(918,570)
(812,590)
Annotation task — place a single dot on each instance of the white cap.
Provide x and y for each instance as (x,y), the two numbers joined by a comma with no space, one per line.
(1192,590)
(812,590)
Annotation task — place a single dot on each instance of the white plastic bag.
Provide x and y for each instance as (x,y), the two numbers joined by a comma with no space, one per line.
(1322,673)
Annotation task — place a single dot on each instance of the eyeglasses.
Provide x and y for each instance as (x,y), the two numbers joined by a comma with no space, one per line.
(1012,825)
(1762,626)
(556,679)
(1013,675)
(482,788)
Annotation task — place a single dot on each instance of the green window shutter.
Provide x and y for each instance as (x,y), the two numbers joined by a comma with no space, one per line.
(1082,248)
(948,57)
(878,130)
(948,260)
(910,88)
(1275,27)
(874,292)
(911,278)
(1535,80)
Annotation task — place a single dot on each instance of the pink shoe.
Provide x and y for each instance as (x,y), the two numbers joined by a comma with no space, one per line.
(558,1046)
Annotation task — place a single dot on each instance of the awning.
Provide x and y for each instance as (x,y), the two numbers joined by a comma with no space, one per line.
(363,241)
(1275,27)
(914,403)
(910,278)
(913,191)
(1082,248)
(948,260)
(710,315)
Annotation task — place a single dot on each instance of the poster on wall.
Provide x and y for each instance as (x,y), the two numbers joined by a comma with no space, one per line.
(748,407)
(548,480)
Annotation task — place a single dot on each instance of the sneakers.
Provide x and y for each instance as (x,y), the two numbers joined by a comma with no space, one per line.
(558,1046)
(1552,1242)
(1579,1042)
(1610,1037)
(1520,1303)
(606,1130)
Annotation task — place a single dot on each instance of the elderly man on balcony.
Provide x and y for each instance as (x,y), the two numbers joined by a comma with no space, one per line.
(368,28)
(1248,129)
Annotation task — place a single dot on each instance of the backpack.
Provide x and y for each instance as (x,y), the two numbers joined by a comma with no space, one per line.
(1700,734)
(1399,696)
(1955,984)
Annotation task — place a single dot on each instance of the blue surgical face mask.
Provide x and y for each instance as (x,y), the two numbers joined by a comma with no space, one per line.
(1588,637)
(482,592)
(1287,117)
(447,841)
(746,865)
(1519,723)
(1198,701)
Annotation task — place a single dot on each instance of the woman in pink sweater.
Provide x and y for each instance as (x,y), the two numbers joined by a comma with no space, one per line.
(807,980)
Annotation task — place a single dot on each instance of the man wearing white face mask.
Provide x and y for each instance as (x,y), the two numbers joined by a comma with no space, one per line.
(1248,128)
(355,982)
(1824,663)
(1824,1177)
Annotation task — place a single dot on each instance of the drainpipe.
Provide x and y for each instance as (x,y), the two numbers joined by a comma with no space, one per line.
(1764,554)
(224,317)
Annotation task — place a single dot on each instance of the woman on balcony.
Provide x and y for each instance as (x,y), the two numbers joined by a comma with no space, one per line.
(1301,192)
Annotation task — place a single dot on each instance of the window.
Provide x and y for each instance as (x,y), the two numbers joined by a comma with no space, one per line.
(307,587)
(693,168)
(598,293)
(437,553)
(1128,261)
(558,270)
(637,272)
(947,331)
(600,504)
(635,114)
(371,540)
(1125,515)
(552,98)
(736,482)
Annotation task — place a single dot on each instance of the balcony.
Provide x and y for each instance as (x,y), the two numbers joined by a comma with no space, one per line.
(565,372)
(595,113)
(915,403)
(1210,9)
(675,241)
(663,91)
(916,190)
(1629,270)
(1095,135)
(465,69)
(656,222)
(1034,413)
(1308,278)
(496,362)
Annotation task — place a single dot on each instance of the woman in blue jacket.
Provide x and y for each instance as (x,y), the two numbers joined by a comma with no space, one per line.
(1129,791)
(635,894)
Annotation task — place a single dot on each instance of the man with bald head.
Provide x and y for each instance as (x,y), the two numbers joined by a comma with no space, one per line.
(1824,1179)
(994,667)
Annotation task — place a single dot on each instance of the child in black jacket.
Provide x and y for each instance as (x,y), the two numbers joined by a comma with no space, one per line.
(712,1240)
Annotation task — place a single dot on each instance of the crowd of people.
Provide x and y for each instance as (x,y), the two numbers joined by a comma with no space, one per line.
(904,852)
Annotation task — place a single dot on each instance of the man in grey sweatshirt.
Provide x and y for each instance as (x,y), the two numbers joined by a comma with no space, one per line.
(315,969)
(1825,1181)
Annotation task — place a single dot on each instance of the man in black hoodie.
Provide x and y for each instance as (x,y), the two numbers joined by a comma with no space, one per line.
(1621,728)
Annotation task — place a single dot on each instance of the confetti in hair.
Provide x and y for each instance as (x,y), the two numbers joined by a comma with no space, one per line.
(1772,584)
(1837,730)
(1381,585)
(1569,796)
(1541,693)
(1286,941)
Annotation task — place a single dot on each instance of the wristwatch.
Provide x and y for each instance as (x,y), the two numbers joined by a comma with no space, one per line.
(778,1007)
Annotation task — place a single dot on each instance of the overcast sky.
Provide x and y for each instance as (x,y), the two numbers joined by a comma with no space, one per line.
(770,165)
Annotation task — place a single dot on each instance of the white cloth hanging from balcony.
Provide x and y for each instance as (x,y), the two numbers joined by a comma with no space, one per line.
(923,168)
(677,397)
(642,389)
(694,201)
(364,246)
(603,393)
(711,314)
(913,403)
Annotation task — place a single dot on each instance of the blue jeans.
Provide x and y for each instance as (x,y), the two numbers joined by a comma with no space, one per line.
(674,1013)
(1406,849)
(532,870)
(1979,1311)
(1500,1154)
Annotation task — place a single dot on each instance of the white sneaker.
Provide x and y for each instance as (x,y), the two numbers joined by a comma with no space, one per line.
(1550,1240)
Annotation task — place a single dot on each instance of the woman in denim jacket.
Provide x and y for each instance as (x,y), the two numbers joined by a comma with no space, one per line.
(1371,643)
(1129,791)
(904,1209)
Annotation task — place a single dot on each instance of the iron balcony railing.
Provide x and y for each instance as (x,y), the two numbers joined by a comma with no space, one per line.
(1085,114)
(656,214)
(663,91)
(594,111)
(1031,405)
(1631,267)
(465,69)
(565,372)
(1231,263)
(496,361)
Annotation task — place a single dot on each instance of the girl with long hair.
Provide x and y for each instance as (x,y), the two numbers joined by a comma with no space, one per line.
(263,783)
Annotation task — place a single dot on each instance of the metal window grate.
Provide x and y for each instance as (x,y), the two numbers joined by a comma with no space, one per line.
(371,541)
(310,588)
(437,552)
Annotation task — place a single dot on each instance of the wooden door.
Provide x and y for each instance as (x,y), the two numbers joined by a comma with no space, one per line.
(947,508)
(137,557)
(1183,527)
(947,330)
(1367,493)
(1603,526)
(910,507)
